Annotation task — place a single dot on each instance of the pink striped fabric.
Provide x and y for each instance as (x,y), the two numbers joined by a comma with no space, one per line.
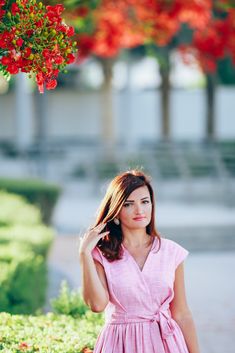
(138,318)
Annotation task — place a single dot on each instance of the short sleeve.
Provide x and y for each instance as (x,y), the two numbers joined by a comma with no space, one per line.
(180,254)
(96,254)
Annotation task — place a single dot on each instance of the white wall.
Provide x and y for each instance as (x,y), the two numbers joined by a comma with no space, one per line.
(137,114)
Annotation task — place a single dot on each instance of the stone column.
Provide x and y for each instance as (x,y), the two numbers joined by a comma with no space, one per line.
(23,113)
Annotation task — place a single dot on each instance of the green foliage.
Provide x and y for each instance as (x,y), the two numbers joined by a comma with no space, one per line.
(92,4)
(5,74)
(49,333)
(17,211)
(24,244)
(37,238)
(37,192)
(69,302)
(226,71)
(22,280)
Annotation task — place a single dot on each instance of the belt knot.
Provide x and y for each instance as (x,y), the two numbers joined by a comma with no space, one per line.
(166,324)
(162,317)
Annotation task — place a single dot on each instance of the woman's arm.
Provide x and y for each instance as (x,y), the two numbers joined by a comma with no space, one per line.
(94,285)
(181,312)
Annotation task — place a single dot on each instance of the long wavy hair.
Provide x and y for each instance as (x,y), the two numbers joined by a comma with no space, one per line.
(117,192)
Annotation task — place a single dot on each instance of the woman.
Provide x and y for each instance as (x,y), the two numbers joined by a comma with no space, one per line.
(136,276)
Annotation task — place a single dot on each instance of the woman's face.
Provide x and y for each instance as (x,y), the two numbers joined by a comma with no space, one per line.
(137,209)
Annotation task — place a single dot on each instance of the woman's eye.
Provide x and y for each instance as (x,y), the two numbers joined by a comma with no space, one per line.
(126,205)
(145,201)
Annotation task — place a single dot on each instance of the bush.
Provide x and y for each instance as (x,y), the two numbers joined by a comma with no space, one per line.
(37,192)
(37,238)
(15,210)
(49,333)
(70,302)
(24,245)
(23,279)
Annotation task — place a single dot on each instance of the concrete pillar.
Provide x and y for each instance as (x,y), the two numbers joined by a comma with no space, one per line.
(23,113)
(108,135)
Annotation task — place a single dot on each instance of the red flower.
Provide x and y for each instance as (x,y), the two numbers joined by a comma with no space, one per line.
(38,42)
(27,52)
(86,350)
(29,32)
(6,60)
(24,346)
(46,53)
(39,23)
(3,44)
(13,69)
(62,28)
(70,31)
(70,58)
(2,13)
(86,44)
(57,9)
(49,64)
(59,59)
(51,84)
(14,9)
(82,11)
(55,72)
(19,42)
(40,82)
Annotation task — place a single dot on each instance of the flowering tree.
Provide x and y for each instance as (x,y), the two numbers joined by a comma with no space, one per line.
(104,30)
(130,23)
(35,40)
(112,25)
(209,46)
(171,23)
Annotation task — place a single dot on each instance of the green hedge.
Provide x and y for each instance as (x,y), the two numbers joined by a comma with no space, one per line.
(37,192)
(49,333)
(72,328)
(22,280)
(15,210)
(37,238)
(24,245)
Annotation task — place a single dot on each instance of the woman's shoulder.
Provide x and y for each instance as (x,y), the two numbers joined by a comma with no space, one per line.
(174,250)
(97,255)
(166,242)
(170,244)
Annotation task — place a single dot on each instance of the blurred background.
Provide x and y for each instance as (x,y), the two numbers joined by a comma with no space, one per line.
(163,103)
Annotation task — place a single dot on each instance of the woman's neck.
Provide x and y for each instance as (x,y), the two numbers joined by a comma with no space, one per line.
(136,238)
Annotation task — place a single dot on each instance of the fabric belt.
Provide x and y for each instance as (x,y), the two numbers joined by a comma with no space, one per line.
(162,318)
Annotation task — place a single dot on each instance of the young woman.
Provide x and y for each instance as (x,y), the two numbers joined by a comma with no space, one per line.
(135,275)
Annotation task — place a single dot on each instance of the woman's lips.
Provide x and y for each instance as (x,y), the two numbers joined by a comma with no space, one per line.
(138,218)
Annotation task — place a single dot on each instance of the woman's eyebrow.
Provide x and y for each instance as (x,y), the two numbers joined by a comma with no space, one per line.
(143,198)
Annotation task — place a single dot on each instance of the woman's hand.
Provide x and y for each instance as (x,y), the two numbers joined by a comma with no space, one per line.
(91,238)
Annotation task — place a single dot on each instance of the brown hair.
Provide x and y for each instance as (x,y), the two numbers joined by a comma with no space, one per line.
(117,192)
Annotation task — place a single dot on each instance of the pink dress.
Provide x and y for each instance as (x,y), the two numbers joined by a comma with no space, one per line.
(138,318)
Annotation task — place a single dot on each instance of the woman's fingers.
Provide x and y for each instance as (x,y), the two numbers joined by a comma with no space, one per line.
(100,227)
(92,236)
(102,235)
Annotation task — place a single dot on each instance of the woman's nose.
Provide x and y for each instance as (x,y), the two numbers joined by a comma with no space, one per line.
(138,209)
